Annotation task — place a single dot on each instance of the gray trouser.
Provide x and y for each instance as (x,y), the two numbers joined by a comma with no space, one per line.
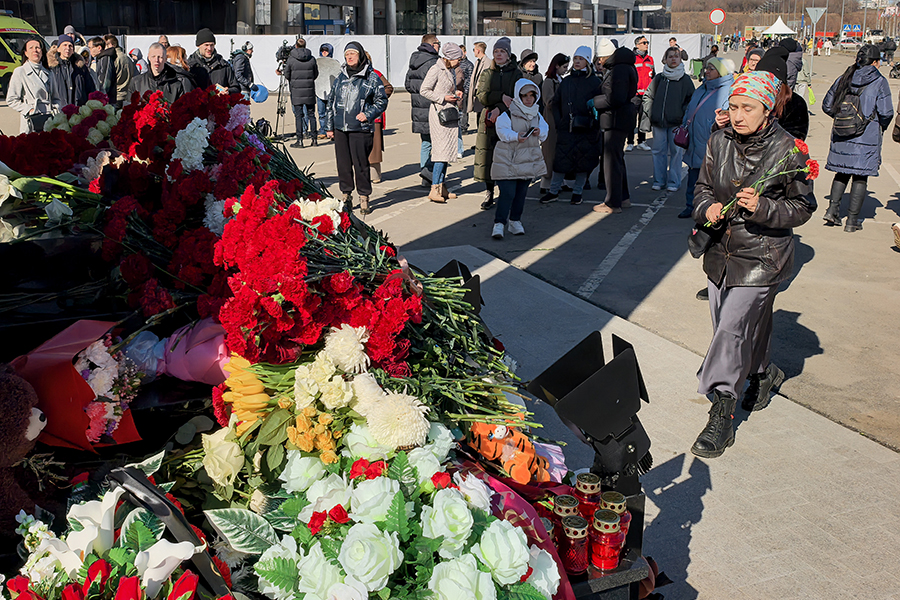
(742,337)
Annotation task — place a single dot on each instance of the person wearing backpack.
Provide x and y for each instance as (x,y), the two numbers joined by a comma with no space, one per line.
(860,104)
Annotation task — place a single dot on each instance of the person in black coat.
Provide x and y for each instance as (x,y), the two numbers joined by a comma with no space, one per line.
(530,69)
(300,71)
(577,131)
(790,108)
(617,118)
(70,79)
(173,81)
(103,66)
(209,68)
(419,63)
(243,72)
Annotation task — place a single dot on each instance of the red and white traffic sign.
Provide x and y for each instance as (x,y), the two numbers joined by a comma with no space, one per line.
(717,16)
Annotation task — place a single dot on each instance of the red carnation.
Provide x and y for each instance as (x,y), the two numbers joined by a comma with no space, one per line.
(224,570)
(801,146)
(199,533)
(359,468)
(69,110)
(317,521)
(339,515)
(813,167)
(222,411)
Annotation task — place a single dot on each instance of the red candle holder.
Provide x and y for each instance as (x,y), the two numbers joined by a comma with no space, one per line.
(564,506)
(606,540)
(615,502)
(573,547)
(587,490)
(551,532)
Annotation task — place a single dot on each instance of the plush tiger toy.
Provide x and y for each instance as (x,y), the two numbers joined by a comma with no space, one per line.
(512,449)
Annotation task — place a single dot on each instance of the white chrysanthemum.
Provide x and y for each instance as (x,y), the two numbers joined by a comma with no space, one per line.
(190,143)
(367,392)
(345,348)
(399,421)
(97,354)
(214,219)
(101,380)
(337,393)
(305,387)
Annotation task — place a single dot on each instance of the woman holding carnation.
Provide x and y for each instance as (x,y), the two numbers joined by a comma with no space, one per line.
(752,249)
(357,98)
(29,86)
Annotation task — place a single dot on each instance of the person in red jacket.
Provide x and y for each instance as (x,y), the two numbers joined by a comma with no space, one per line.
(643,62)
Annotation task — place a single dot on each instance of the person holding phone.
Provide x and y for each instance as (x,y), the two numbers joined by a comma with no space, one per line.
(518,159)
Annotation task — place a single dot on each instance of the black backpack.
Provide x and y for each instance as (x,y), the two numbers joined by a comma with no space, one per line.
(849,121)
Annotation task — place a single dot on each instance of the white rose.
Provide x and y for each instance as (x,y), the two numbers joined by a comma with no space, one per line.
(322,369)
(359,443)
(317,573)
(425,462)
(440,440)
(460,578)
(370,555)
(5,188)
(545,572)
(57,209)
(325,494)
(222,458)
(85,110)
(103,127)
(300,472)
(337,393)
(305,387)
(74,120)
(477,493)
(94,136)
(350,589)
(345,348)
(503,548)
(449,516)
(371,500)
(286,549)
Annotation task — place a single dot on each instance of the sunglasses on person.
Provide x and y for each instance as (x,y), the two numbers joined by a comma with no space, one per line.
(643,43)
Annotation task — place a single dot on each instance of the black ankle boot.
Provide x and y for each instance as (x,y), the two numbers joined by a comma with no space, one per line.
(719,431)
(857,196)
(766,383)
(833,213)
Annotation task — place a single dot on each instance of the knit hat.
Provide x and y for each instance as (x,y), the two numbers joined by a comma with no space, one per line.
(791,45)
(452,51)
(69,30)
(65,38)
(205,35)
(527,55)
(584,52)
(504,44)
(759,85)
(756,52)
(723,65)
(605,48)
(775,62)
(328,47)
(356,47)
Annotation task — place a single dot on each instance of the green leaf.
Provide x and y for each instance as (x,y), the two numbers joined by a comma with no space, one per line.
(274,457)
(141,515)
(330,548)
(302,534)
(522,591)
(150,465)
(245,531)
(139,537)
(397,520)
(280,572)
(166,487)
(279,520)
(274,428)
(384,593)
(293,507)
(120,556)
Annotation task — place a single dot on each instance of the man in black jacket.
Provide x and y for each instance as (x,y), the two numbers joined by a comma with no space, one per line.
(300,71)
(209,68)
(103,64)
(70,79)
(421,60)
(173,81)
(240,62)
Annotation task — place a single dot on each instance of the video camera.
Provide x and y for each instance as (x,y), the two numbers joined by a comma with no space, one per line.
(282,54)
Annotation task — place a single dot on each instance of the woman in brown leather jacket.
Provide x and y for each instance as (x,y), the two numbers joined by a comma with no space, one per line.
(752,252)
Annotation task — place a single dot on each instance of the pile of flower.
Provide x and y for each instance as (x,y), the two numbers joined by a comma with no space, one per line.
(114,380)
(93,121)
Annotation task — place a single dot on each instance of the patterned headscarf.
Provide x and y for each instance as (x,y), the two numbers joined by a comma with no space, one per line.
(759,85)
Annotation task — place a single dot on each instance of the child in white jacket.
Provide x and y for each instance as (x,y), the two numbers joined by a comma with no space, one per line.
(518,159)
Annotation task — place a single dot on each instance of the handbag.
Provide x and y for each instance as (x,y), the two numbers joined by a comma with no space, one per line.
(38,120)
(682,137)
(449,117)
(702,238)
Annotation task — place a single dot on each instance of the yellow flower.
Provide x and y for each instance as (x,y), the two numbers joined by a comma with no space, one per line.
(303,422)
(310,411)
(329,457)
(285,403)
(325,419)
(305,442)
(337,434)
(294,436)
(324,442)
(319,429)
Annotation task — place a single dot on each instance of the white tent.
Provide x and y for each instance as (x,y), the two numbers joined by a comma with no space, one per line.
(778,28)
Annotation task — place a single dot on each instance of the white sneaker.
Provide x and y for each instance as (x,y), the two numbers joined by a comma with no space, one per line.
(497,233)
(672,188)
(643,146)
(629,148)
(656,187)
(515,228)
(459,155)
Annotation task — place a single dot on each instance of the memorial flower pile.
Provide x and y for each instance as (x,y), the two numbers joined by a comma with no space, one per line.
(93,121)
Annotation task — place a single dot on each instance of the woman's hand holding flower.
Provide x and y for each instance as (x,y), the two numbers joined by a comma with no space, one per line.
(714,213)
(748,198)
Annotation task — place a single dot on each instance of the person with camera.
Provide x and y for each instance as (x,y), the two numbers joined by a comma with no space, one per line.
(300,71)
(243,72)
(208,67)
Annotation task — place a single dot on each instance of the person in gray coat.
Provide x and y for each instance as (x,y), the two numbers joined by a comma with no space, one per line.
(794,60)
(857,157)
(29,90)
(329,69)
(301,71)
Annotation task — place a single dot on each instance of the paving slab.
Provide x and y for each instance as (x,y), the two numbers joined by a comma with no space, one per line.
(799,507)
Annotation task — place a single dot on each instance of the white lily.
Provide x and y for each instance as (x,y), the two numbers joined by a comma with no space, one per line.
(97,520)
(69,560)
(157,563)
(5,170)
(57,209)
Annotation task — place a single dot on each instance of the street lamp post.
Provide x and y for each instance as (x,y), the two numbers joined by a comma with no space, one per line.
(841,30)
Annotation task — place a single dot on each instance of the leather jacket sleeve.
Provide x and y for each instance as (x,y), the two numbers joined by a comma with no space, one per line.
(788,210)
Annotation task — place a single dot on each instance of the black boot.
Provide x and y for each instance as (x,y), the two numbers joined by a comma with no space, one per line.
(833,214)
(719,431)
(857,195)
(759,393)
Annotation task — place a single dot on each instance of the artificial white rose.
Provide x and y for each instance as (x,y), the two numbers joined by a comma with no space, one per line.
(545,572)
(345,347)
(325,494)
(322,369)
(448,516)
(350,589)
(75,119)
(286,549)
(503,548)
(370,555)
(440,440)
(370,500)
(85,110)
(305,387)
(359,443)
(317,574)
(460,578)
(94,136)
(337,393)
(425,462)
(57,209)
(222,458)
(94,104)
(300,472)
(103,127)
(367,393)
(477,493)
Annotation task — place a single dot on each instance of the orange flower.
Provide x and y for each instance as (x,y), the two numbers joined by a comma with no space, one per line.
(303,423)
(337,434)
(326,419)
(319,429)
(294,436)
(324,442)
(305,443)
(329,457)
(285,403)
(310,411)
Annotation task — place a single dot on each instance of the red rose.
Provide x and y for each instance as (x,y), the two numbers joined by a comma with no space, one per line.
(801,146)
(376,469)
(813,167)
(97,575)
(185,587)
(73,592)
(129,589)
(17,585)
(359,468)
(441,480)
(317,521)
(339,515)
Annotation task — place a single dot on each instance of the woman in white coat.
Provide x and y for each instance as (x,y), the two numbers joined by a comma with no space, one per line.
(518,159)
(30,86)
(439,87)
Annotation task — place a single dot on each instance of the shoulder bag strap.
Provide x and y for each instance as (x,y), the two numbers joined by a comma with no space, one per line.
(696,108)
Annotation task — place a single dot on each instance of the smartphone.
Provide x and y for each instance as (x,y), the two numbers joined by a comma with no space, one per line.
(530,131)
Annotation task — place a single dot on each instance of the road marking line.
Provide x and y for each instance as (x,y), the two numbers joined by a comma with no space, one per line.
(893,173)
(590,286)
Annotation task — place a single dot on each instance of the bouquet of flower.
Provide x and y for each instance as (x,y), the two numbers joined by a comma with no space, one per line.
(114,380)
(93,121)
